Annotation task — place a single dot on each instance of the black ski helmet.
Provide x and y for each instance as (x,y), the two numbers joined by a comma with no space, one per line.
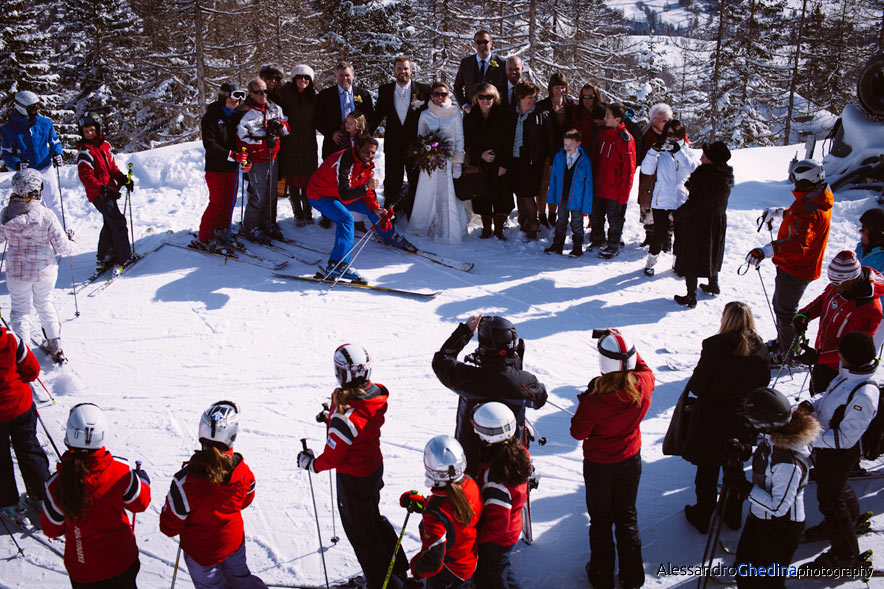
(874,220)
(90,119)
(497,336)
(767,409)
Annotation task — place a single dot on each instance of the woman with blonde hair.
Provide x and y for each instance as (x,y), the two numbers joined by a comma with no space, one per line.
(607,420)
(732,363)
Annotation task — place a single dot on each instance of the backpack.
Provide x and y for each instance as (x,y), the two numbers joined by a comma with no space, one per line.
(871,440)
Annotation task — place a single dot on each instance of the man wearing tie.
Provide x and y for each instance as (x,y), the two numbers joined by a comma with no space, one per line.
(333,105)
(483,66)
(399,104)
(514,69)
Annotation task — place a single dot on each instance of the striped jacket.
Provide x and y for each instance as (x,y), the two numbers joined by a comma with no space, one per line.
(35,237)
(101,544)
(353,445)
(208,515)
(97,167)
(501,521)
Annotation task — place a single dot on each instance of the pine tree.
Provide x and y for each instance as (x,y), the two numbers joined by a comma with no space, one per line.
(25,53)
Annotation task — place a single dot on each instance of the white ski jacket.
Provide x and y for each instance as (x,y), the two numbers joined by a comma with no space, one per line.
(673,170)
(857,415)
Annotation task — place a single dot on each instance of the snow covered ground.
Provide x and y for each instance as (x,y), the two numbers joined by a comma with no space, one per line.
(182,330)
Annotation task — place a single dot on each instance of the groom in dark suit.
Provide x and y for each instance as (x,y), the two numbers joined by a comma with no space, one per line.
(480,67)
(399,104)
(333,105)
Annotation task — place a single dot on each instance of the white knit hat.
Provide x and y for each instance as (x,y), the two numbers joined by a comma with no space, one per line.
(303,70)
(844,267)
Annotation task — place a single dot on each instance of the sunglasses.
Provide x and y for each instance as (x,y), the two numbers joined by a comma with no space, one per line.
(275,79)
(440,94)
(265,92)
(302,77)
(485,97)
(587,96)
(482,41)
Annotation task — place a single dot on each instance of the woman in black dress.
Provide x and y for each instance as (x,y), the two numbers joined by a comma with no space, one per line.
(488,132)
(297,154)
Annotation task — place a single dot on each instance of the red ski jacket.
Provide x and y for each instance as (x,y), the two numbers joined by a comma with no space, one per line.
(97,167)
(609,424)
(803,234)
(343,175)
(19,367)
(208,515)
(613,164)
(446,542)
(858,309)
(353,445)
(501,521)
(101,544)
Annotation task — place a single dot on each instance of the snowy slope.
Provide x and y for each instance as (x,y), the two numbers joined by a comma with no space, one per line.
(182,330)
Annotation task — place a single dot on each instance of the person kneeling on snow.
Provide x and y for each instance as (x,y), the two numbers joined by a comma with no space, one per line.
(35,237)
(780,469)
(343,183)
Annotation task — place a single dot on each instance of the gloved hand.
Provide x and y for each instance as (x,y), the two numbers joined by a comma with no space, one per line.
(274,127)
(322,416)
(755,256)
(520,349)
(799,322)
(142,475)
(456,171)
(808,356)
(675,146)
(658,145)
(128,183)
(386,222)
(240,157)
(246,166)
(805,407)
(108,193)
(305,459)
(667,146)
(540,398)
(58,160)
(412,501)
(736,451)
(70,234)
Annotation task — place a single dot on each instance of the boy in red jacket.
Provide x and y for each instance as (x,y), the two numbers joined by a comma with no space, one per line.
(613,166)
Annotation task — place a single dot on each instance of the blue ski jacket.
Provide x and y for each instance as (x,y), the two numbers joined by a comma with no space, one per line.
(580,195)
(31,139)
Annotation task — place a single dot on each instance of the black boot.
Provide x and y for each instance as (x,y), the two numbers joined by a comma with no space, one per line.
(487,231)
(689,299)
(556,247)
(576,249)
(712,287)
(552,216)
(649,236)
(499,224)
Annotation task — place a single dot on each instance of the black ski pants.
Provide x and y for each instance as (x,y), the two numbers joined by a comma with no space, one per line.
(113,241)
(32,461)
(765,542)
(370,533)
(611,490)
(836,499)
(494,570)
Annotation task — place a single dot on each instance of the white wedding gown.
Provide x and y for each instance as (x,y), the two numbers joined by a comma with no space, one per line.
(437,213)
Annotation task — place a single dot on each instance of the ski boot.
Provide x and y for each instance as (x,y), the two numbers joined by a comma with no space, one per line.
(556,248)
(608,252)
(103,265)
(576,250)
(53,346)
(342,272)
(400,242)
(274,231)
(257,236)
(818,532)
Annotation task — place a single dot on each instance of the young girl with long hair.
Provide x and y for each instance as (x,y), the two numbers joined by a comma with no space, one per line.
(503,477)
(607,420)
(86,501)
(353,448)
(205,502)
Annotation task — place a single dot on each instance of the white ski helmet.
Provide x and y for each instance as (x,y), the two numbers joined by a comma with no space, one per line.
(86,427)
(24,100)
(494,422)
(615,353)
(352,365)
(27,183)
(444,460)
(219,423)
(808,172)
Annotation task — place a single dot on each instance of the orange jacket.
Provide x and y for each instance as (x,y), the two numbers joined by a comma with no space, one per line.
(803,234)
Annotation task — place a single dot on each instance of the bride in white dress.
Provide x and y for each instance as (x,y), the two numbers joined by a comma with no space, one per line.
(437,212)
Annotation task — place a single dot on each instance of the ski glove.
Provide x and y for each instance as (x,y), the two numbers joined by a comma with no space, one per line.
(773,213)
(108,193)
(412,501)
(755,256)
(142,475)
(799,322)
(305,459)
(241,157)
(322,416)
(809,356)
(58,160)
(673,147)
(386,222)
(70,234)
(540,397)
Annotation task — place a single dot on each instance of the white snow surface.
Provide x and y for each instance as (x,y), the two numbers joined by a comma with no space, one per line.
(182,330)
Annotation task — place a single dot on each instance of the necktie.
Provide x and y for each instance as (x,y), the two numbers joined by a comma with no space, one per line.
(482,68)
(347,106)
(512,92)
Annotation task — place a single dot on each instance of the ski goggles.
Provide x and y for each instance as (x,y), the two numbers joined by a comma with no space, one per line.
(90,119)
(235,94)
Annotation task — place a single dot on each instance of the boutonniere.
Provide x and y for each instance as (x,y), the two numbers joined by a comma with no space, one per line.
(357,99)
(416,104)
(493,63)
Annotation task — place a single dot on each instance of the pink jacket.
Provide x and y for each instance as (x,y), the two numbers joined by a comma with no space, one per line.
(35,237)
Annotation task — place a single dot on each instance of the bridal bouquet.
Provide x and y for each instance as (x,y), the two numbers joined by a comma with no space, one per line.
(430,152)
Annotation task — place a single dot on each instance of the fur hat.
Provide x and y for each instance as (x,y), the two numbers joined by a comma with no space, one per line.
(717,152)
(303,70)
(857,348)
(845,266)
(270,70)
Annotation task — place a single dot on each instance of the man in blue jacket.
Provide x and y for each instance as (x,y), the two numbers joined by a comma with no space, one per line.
(29,141)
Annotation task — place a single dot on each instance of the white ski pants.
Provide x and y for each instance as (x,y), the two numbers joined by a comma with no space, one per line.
(51,199)
(22,294)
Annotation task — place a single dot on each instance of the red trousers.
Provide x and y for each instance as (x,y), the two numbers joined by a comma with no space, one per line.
(222,186)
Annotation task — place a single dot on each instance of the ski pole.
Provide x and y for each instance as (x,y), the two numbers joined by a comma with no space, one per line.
(51,441)
(131,206)
(175,570)
(548,402)
(237,182)
(331,489)
(396,550)
(14,541)
(766,297)
(316,516)
(363,241)
(74,285)
(60,198)
(242,198)
(712,538)
(137,467)
(48,392)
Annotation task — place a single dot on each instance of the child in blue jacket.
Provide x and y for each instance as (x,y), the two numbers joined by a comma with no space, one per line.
(570,188)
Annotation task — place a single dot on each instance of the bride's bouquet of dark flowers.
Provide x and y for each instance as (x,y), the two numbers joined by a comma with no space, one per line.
(430,152)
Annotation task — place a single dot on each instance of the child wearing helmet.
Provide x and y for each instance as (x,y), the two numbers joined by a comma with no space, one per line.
(35,237)
(353,448)
(503,477)
(607,420)
(205,504)
(86,501)
(780,469)
(448,554)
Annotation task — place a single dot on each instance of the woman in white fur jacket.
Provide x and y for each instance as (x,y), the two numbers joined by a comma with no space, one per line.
(34,237)
(437,212)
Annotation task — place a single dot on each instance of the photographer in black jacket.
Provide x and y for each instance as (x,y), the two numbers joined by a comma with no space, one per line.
(493,373)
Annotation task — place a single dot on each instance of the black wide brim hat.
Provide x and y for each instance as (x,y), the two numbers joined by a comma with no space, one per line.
(717,152)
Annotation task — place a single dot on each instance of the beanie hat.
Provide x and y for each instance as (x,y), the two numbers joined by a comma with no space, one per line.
(844,267)
(857,348)
(303,70)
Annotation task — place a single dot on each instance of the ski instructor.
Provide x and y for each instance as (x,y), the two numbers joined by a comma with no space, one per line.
(343,183)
